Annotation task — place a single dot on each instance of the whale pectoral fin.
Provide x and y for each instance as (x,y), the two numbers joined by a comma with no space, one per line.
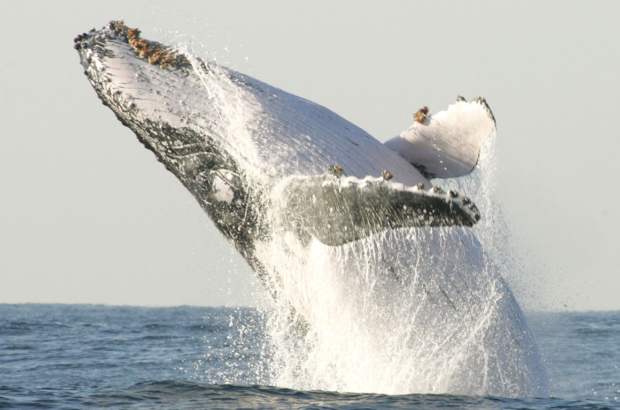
(338,210)
(446,144)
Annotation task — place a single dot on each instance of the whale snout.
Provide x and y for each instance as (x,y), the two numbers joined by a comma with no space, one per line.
(153,90)
(151,51)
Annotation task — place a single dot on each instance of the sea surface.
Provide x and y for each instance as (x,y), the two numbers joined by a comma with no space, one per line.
(88,356)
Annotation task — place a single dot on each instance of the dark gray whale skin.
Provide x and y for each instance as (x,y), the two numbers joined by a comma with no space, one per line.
(193,158)
(343,213)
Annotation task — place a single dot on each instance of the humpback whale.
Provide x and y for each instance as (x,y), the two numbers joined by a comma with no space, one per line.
(378,266)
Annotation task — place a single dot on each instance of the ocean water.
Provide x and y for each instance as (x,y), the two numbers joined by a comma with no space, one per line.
(85,356)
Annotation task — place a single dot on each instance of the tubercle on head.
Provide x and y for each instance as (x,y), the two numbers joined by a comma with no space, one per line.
(153,52)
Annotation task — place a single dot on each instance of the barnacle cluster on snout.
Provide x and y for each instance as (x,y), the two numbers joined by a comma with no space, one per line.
(152,51)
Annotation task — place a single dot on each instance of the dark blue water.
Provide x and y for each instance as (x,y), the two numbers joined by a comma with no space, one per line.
(79,356)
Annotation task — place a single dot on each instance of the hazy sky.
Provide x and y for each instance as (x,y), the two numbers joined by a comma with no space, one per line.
(87,215)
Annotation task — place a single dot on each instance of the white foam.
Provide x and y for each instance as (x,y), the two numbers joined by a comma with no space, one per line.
(421,310)
(223,191)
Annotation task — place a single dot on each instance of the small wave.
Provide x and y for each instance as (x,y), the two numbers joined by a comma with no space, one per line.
(191,395)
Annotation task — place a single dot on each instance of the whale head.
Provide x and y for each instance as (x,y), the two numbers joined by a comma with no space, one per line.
(241,146)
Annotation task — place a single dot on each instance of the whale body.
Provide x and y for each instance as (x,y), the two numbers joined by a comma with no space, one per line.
(376,268)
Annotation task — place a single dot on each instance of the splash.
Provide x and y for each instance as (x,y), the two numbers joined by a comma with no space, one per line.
(408,311)
(416,310)
(421,310)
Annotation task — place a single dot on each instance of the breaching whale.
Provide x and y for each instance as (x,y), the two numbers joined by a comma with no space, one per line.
(346,232)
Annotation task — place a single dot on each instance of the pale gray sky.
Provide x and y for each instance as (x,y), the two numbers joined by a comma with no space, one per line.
(87,215)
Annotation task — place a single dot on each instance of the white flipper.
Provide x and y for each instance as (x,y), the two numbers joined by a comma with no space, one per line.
(446,144)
